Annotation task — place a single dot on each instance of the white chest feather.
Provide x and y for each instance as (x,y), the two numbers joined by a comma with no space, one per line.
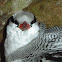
(17,38)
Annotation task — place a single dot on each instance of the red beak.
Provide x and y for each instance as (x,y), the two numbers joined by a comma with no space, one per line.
(24,26)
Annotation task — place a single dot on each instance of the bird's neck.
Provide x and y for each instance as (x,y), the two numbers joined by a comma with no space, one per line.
(18,38)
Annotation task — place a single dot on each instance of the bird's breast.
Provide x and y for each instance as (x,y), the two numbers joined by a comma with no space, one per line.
(17,38)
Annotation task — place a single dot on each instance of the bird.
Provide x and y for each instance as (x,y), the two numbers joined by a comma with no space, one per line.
(21,30)
(30,41)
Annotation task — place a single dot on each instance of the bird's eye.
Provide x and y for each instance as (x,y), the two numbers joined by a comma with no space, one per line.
(33,21)
(14,21)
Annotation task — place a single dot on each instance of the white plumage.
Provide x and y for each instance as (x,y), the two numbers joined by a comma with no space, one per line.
(31,44)
(16,38)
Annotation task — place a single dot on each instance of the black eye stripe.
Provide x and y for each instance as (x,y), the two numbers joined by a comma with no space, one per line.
(12,20)
(16,22)
(33,20)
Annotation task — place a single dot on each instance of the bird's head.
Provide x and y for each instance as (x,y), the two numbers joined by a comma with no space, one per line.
(24,20)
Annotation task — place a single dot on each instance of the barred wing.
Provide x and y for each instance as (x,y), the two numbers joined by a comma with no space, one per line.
(53,40)
(27,52)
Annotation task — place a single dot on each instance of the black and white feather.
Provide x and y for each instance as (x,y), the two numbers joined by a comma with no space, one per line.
(16,38)
(31,44)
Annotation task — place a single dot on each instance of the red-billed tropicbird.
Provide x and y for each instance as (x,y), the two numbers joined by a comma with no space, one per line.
(27,41)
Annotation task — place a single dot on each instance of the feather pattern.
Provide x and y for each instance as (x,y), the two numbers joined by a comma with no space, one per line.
(29,46)
(50,43)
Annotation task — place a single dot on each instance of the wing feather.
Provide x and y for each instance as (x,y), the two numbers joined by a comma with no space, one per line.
(53,37)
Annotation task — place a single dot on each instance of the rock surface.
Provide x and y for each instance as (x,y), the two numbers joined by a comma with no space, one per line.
(49,11)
